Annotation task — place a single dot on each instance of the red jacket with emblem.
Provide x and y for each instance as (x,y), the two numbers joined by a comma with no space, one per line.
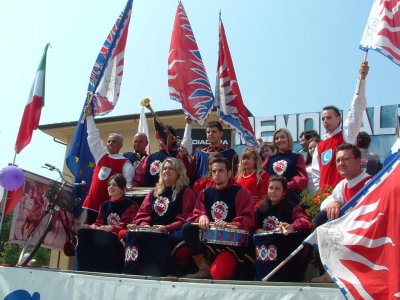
(105,168)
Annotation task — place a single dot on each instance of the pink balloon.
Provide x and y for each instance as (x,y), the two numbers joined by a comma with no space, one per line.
(11,178)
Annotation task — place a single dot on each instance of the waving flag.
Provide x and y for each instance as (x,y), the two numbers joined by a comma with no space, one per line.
(360,250)
(227,94)
(104,84)
(187,78)
(382,32)
(144,128)
(393,151)
(33,109)
(106,77)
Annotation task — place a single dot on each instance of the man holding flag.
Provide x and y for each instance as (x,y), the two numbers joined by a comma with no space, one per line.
(102,95)
(108,162)
(323,162)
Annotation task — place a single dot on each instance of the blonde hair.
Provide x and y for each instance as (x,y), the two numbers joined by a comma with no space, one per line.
(250,153)
(289,135)
(182,180)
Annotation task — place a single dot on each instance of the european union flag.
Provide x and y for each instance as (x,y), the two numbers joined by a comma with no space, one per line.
(80,160)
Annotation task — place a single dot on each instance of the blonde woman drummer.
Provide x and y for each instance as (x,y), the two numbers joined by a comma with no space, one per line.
(165,209)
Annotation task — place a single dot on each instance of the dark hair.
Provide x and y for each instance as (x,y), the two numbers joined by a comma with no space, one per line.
(211,158)
(334,108)
(119,180)
(269,145)
(308,134)
(214,124)
(309,157)
(283,206)
(363,140)
(347,146)
(223,160)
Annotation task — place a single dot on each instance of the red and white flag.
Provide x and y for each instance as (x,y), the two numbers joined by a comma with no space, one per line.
(187,77)
(144,128)
(360,250)
(228,98)
(382,32)
(31,117)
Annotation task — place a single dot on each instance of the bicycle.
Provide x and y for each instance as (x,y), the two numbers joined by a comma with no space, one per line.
(61,200)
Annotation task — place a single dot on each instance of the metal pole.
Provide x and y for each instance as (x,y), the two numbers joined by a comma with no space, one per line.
(283,263)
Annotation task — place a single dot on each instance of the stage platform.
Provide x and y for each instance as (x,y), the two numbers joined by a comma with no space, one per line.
(53,284)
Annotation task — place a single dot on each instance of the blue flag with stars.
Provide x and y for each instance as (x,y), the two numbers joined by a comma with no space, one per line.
(80,160)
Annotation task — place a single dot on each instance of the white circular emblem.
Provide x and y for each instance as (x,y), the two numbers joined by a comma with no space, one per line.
(155,167)
(279,166)
(113,219)
(270,223)
(161,205)
(219,210)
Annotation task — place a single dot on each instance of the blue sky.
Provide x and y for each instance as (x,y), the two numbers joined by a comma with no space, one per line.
(289,57)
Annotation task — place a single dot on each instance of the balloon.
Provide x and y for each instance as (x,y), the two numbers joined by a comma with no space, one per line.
(11,178)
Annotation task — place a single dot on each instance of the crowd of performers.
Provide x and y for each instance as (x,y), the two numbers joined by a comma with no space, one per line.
(211,214)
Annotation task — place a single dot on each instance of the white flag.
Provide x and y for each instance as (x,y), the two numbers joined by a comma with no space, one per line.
(143,128)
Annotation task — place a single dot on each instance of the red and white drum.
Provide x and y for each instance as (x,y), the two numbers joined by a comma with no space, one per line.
(225,236)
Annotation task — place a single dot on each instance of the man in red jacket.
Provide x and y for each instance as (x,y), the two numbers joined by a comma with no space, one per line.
(323,163)
(108,162)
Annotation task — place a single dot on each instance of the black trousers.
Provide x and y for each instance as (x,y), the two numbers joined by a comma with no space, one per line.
(320,218)
(191,236)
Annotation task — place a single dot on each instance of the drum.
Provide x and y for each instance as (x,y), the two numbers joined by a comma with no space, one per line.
(225,236)
(271,248)
(147,252)
(99,251)
(138,193)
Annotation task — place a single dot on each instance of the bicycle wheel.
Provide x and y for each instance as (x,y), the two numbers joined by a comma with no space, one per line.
(36,238)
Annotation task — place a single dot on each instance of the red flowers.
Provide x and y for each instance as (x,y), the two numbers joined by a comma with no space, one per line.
(311,203)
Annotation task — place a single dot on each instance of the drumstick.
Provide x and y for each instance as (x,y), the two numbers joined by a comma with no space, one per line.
(213,224)
(135,227)
(85,226)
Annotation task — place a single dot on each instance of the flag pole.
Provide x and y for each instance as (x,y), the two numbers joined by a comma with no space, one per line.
(88,101)
(282,263)
(359,83)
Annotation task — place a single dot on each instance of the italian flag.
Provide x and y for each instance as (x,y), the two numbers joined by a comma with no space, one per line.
(33,109)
